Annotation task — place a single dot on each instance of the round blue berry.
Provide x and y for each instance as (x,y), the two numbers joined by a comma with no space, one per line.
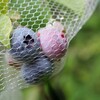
(37,72)
(25,45)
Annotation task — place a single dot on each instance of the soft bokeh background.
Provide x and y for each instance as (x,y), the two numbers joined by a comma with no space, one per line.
(80,78)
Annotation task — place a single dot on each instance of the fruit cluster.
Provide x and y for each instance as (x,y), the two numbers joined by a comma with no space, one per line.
(37,52)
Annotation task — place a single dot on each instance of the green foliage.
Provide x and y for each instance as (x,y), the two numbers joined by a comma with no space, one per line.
(5,29)
(5,23)
(3,6)
(32,13)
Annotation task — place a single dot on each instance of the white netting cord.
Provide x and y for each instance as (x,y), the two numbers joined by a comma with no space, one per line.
(31,13)
(89,7)
(36,14)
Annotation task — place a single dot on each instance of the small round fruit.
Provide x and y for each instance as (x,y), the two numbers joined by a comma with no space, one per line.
(37,72)
(11,61)
(24,45)
(53,41)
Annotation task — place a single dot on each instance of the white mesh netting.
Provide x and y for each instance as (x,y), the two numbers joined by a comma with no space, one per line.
(22,61)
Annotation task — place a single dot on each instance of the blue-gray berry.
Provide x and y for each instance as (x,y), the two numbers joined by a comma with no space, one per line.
(25,45)
(37,72)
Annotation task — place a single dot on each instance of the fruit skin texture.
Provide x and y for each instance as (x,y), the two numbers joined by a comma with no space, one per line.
(37,72)
(24,45)
(12,62)
(53,40)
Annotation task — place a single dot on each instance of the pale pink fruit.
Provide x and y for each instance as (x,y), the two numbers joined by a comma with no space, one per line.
(11,61)
(53,41)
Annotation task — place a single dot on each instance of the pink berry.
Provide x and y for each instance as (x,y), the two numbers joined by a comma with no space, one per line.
(53,41)
(11,61)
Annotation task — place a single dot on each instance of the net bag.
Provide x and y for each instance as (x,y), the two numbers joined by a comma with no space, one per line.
(34,38)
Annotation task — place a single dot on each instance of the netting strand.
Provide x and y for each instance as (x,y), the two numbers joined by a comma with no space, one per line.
(34,38)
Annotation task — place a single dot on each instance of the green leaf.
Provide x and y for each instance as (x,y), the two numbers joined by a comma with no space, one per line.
(5,29)
(3,6)
(33,14)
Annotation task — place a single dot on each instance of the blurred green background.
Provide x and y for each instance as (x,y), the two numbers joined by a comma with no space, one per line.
(80,78)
